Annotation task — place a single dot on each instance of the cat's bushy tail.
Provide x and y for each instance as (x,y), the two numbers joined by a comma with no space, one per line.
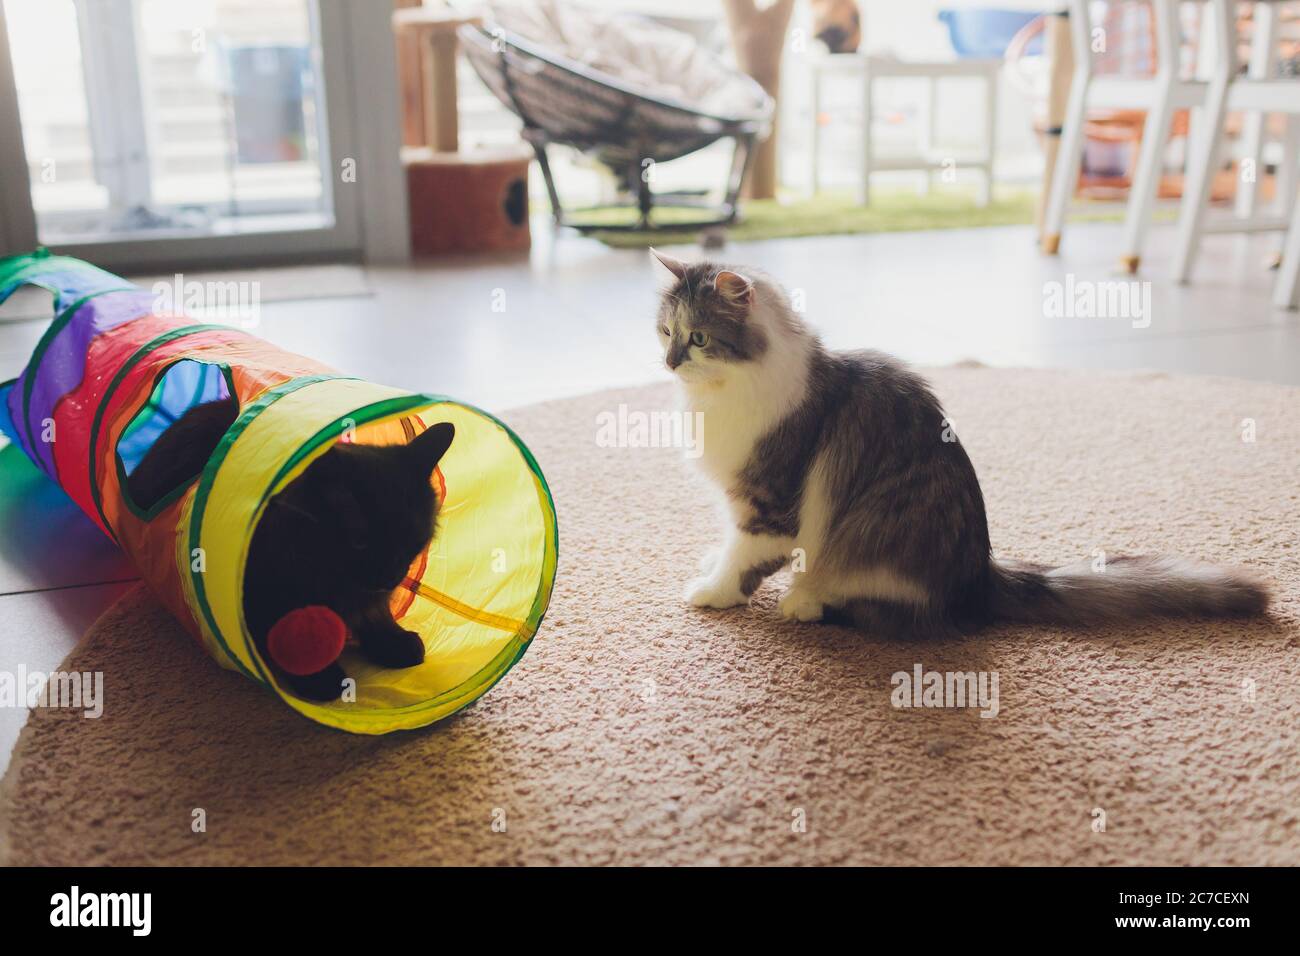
(1127,588)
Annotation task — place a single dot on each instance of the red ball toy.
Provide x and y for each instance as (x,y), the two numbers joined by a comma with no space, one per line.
(306,640)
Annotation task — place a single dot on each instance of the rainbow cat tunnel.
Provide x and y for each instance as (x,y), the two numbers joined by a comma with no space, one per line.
(113,370)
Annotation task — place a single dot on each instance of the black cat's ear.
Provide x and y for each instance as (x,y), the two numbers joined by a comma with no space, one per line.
(432,444)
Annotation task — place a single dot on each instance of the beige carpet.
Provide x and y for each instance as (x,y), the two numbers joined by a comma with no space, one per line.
(638,730)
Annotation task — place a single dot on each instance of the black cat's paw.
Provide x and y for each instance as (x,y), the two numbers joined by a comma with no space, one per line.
(322,686)
(395,648)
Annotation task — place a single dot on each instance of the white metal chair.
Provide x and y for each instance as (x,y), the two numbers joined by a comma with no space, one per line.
(1258,93)
(1217,90)
(1161,95)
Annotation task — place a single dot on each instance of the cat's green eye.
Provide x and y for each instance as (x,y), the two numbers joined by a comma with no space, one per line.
(699,339)
(663,330)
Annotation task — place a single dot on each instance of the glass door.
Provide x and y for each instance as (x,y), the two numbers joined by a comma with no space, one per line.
(156,129)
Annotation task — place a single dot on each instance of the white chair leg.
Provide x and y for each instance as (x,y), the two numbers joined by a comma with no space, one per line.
(1146,182)
(1288,175)
(1155,136)
(1263,58)
(1288,171)
(1201,165)
(927,125)
(1286,293)
(1069,156)
(990,136)
(1251,165)
(868,110)
(815,132)
(1069,159)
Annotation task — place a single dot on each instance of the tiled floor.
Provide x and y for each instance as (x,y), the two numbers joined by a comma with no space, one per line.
(575,316)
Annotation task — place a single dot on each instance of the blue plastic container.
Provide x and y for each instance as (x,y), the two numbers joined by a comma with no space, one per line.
(985,33)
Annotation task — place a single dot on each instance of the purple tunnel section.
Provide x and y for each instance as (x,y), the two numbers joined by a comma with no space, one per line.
(64,364)
(87,302)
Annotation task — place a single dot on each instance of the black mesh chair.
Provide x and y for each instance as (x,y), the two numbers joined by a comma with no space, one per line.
(562,101)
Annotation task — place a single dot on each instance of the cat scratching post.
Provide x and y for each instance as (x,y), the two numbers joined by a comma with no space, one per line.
(460,201)
(432,119)
(468,202)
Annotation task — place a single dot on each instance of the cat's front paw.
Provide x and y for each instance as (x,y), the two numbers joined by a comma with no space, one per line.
(799,605)
(710,560)
(393,648)
(323,686)
(706,592)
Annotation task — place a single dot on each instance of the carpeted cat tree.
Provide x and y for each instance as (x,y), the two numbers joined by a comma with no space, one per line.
(112,371)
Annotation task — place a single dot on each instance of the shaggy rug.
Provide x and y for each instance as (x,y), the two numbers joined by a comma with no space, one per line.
(639,730)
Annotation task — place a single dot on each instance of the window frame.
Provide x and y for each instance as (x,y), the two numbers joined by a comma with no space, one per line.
(357,66)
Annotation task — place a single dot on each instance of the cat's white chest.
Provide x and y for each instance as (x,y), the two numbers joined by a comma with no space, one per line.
(743,407)
(728,435)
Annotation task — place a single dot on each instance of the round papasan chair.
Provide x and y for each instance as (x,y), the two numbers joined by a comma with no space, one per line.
(623,89)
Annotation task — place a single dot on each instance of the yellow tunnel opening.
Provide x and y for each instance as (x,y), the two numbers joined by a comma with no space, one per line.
(478,594)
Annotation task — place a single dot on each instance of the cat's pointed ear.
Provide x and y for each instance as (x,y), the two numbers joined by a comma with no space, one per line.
(675,266)
(734,287)
(430,445)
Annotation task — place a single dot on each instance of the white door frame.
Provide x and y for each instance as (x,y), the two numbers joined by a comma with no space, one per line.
(17,218)
(363,136)
(114,105)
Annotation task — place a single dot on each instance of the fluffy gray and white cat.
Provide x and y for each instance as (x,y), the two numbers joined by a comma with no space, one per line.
(842,456)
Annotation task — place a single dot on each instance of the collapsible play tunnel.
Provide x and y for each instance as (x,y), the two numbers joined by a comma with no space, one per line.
(113,370)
